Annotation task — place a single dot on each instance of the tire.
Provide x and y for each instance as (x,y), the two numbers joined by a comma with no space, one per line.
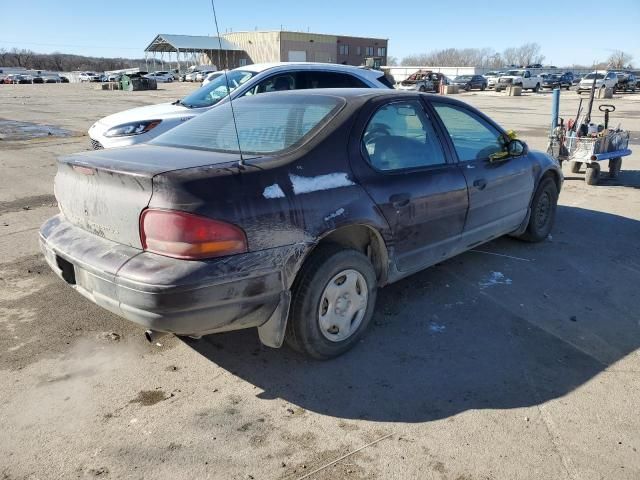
(543,211)
(593,172)
(615,165)
(536,89)
(318,280)
(483,88)
(575,166)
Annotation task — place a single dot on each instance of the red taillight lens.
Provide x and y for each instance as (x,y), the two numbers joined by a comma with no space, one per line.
(188,236)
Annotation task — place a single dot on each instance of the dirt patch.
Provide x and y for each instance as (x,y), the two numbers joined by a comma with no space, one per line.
(11,130)
(28,203)
(146,398)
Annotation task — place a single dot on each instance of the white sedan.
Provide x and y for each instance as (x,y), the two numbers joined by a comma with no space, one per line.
(161,77)
(141,124)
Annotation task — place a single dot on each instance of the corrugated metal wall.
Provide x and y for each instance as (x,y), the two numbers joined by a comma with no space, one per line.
(261,47)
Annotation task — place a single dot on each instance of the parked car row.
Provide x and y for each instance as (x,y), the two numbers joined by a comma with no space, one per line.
(18,79)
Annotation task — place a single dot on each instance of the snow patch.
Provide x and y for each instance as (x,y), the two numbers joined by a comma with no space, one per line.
(335,214)
(321,182)
(273,191)
(436,327)
(496,278)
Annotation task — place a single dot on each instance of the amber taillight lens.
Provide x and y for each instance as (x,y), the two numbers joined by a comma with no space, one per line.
(189,237)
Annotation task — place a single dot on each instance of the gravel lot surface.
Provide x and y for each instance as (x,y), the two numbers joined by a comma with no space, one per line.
(514,361)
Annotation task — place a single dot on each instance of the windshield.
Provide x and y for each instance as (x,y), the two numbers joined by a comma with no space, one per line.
(598,76)
(463,78)
(515,73)
(266,124)
(216,90)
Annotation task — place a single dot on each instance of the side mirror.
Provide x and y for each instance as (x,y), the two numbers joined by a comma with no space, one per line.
(516,148)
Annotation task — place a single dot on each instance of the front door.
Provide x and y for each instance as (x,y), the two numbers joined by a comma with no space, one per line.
(419,190)
(499,191)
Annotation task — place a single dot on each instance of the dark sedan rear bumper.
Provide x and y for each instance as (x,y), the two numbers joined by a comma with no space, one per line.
(166,294)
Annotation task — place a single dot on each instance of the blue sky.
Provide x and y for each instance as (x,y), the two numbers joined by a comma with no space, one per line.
(569,32)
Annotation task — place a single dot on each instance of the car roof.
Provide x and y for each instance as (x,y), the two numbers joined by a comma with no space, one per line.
(357,95)
(261,67)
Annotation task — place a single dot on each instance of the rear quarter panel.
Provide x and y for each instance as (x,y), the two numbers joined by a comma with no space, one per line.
(276,201)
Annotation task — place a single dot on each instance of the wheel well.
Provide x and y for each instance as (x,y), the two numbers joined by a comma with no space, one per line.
(553,175)
(365,239)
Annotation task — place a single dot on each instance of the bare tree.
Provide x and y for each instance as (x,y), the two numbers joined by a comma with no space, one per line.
(620,59)
(392,61)
(510,56)
(529,53)
(22,57)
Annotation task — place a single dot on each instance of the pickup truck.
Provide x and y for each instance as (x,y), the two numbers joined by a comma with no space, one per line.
(522,78)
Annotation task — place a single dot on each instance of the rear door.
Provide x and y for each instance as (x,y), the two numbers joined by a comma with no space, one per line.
(499,192)
(402,164)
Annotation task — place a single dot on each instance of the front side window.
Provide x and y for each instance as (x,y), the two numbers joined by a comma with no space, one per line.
(267,124)
(472,137)
(216,90)
(401,136)
(277,83)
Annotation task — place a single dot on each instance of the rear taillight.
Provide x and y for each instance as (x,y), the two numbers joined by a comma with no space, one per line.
(188,236)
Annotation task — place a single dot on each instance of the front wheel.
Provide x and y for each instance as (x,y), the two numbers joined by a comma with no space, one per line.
(593,172)
(333,301)
(543,211)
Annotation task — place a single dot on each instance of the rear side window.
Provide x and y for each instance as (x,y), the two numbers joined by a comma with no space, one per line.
(472,137)
(332,80)
(401,136)
(266,124)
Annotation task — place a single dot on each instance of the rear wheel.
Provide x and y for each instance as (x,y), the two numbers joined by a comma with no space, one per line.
(422,89)
(575,166)
(333,302)
(543,211)
(593,172)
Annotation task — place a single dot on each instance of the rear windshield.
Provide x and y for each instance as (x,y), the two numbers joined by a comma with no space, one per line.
(267,124)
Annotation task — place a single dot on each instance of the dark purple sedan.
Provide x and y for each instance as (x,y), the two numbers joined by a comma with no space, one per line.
(290,219)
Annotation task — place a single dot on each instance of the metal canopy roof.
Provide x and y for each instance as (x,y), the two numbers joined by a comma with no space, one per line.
(189,43)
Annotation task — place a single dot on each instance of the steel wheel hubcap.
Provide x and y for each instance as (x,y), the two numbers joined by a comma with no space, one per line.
(343,304)
(544,207)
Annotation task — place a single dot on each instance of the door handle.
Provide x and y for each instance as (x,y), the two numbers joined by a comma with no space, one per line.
(480,183)
(399,200)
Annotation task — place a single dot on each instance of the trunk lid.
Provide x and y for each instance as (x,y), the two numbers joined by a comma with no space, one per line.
(105,191)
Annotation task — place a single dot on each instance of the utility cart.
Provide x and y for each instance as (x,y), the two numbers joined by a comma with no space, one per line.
(582,142)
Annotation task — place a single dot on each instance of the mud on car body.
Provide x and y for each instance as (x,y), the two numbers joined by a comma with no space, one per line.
(336,193)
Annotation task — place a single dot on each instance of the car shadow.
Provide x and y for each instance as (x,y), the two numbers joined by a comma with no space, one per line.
(507,325)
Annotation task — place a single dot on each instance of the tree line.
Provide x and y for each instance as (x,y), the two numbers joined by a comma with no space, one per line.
(527,54)
(63,62)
